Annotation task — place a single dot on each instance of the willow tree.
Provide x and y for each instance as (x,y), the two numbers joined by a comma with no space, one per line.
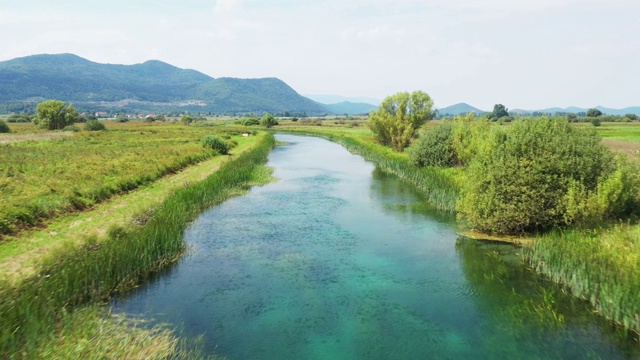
(55,115)
(399,117)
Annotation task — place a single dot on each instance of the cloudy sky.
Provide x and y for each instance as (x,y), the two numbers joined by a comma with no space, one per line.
(522,53)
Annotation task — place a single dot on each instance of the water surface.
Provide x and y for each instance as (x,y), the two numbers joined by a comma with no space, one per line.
(337,260)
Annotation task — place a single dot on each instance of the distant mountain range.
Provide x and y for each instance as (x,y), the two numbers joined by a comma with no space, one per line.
(335,99)
(151,85)
(463,108)
(573,109)
(158,86)
(458,109)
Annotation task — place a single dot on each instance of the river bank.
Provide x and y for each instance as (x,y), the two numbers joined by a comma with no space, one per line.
(78,261)
(605,273)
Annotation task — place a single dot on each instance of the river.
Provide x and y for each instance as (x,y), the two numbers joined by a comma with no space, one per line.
(337,260)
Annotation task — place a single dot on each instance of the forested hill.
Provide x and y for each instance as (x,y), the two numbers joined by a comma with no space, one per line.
(71,78)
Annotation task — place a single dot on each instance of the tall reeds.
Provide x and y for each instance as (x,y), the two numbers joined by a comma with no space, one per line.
(601,266)
(93,272)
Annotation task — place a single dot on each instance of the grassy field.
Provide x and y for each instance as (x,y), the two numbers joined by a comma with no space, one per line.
(50,174)
(48,275)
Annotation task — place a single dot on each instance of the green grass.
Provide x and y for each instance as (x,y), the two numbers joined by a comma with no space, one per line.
(92,333)
(43,179)
(620,131)
(601,266)
(74,275)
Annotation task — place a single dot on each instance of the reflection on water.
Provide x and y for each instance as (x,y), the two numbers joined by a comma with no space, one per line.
(338,260)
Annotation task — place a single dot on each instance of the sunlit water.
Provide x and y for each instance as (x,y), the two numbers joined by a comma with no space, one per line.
(337,260)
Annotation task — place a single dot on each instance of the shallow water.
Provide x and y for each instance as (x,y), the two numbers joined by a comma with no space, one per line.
(337,260)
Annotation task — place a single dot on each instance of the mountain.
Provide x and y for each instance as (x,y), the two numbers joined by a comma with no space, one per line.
(573,109)
(350,108)
(461,108)
(71,78)
(336,99)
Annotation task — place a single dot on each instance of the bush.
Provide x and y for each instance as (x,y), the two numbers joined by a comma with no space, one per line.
(4,128)
(71,128)
(268,121)
(20,118)
(251,122)
(435,147)
(216,143)
(94,125)
(595,121)
(543,173)
(186,120)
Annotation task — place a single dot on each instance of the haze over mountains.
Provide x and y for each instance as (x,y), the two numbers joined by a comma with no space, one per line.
(158,86)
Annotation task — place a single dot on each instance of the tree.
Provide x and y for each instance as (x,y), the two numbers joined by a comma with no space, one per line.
(268,121)
(54,115)
(571,117)
(399,117)
(186,119)
(632,117)
(539,174)
(499,111)
(594,113)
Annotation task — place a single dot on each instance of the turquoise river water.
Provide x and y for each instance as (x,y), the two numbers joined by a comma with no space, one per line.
(337,260)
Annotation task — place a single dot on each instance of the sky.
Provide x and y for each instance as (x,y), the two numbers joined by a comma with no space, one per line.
(525,54)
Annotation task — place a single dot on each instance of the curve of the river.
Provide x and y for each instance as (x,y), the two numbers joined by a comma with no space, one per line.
(337,260)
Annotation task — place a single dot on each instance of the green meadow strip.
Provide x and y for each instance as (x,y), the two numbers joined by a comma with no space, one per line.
(92,273)
(439,185)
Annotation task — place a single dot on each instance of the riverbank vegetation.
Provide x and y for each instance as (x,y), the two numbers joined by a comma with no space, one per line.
(534,177)
(43,310)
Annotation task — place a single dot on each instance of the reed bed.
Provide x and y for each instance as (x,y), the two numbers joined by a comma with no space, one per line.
(439,185)
(601,266)
(93,272)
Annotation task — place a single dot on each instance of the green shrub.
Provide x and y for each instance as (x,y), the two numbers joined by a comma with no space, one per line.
(216,143)
(268,121)
(435,147)
(20,118)
(4,128)
(595,121)
(71,128)
(543,173)
(94,125)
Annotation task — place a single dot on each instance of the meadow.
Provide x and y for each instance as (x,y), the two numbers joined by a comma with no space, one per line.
(41,179)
